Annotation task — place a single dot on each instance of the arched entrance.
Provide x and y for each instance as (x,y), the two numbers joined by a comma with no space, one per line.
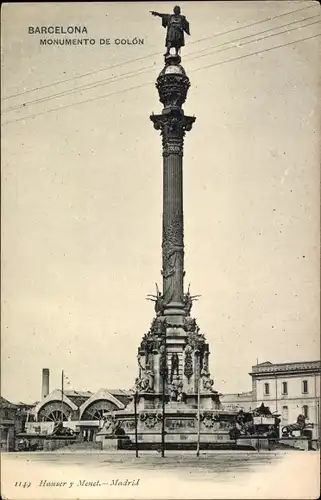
(94,413)
(54,411)
(97,409)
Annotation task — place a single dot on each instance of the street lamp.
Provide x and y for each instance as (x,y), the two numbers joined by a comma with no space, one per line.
(62,396)
(198,404)
(163,373)
(135,411)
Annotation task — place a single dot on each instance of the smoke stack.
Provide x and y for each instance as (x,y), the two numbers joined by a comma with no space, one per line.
(45,382)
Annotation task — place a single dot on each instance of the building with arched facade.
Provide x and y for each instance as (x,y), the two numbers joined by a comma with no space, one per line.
(81,411)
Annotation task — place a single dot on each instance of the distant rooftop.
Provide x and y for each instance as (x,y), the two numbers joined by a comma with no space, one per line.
(80,397)
(237,397)
(237,394)
(4,403)
(121,391)
(122,395)
(72,392)
(297,366)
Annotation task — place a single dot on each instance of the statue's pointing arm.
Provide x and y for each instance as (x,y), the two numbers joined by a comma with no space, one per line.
(153,13)
(165,17)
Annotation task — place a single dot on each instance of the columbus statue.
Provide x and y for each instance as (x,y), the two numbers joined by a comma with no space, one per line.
(176,25)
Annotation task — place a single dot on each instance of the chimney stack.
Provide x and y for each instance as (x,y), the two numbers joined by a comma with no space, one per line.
(45,383)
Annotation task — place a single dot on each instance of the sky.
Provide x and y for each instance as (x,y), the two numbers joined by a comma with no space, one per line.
(82,189)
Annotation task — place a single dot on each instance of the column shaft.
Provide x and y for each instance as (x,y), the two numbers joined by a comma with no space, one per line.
(173,235)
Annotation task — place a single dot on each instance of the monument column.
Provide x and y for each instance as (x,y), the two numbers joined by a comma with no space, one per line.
(173,232)
(173,352)
(172,85)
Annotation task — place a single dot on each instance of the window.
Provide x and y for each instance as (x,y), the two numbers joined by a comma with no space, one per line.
(284,387)
(266,389)
(306,411)
(305,386)
(285,413)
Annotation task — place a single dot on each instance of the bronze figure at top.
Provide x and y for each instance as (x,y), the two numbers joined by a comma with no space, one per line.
(176,25)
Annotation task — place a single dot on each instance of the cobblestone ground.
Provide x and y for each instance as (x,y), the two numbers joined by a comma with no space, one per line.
(216,474)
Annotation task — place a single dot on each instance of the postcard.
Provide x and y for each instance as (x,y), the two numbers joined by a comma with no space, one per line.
(160,250)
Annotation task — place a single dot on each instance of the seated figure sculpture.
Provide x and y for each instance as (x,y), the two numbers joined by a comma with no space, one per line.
(300,425)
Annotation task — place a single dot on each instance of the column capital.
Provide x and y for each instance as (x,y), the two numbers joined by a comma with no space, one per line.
(173,125)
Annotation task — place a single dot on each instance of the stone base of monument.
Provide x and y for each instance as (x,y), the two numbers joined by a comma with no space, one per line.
(108,442)
(181,427)
(297,443)
(255,442)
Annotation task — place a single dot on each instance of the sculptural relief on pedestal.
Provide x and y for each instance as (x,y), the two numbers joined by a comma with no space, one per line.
(150,419)
(173,248)
(209,420)
(176,389)
(188,363)
(145,381)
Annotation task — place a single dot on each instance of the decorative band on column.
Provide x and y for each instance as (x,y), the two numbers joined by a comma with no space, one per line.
(172,148)
(172,88)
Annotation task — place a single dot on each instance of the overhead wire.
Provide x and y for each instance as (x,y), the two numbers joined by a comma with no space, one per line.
(89,86)
(259,52)
(194,55)
(255,34)
(258,22)
(156,53)
(259,39)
